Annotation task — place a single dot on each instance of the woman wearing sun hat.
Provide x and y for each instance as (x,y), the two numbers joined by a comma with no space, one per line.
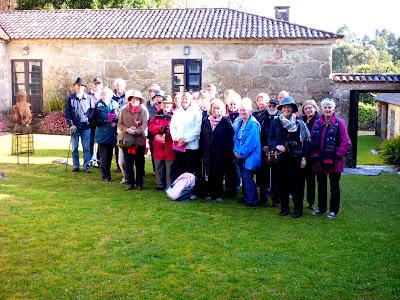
(164,155)
(290,137)
(133,121)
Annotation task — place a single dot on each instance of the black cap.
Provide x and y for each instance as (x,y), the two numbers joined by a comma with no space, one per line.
(97,80)
(80,81)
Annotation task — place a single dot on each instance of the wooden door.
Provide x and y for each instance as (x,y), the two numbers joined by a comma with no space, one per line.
(27,75)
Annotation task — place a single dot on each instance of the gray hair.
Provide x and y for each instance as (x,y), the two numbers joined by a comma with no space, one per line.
(328,101)
(121,82)
(247,104)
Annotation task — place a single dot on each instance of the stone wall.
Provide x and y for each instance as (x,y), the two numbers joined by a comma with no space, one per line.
(249,68)
(393,121)
(5,85)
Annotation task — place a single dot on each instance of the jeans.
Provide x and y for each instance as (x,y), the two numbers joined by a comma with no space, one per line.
(334,179)
(249,186)
(84,134)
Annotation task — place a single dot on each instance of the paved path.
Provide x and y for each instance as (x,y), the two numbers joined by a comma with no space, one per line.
(369,170)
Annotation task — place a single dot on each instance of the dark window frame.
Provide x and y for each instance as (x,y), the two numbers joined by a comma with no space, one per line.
(187,75)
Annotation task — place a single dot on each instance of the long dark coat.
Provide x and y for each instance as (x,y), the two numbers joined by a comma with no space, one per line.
(217,146)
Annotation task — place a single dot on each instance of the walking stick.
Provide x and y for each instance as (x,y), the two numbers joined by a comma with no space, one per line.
(69,150)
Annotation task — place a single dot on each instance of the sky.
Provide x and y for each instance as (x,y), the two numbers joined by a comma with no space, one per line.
(362,16)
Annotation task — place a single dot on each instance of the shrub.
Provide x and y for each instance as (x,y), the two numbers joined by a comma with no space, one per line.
(5,123)
(55,104)
(366,116)
(390,151)
(54,123)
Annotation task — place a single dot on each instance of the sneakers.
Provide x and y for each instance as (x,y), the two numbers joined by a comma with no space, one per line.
(193,197)
(208,198)
(218,199)
(317,213)
(331,215)
(75,170)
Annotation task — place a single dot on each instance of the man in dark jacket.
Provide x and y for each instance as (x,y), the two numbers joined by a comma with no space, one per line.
(78,110)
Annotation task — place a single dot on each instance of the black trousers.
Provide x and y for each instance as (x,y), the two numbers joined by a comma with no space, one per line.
(334,179)
(188,161)
(308,177)
(106,154)
(288,177)
(262,181)
(135,166)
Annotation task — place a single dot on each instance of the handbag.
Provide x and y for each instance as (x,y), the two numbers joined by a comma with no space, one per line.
(126,140)
(272,157)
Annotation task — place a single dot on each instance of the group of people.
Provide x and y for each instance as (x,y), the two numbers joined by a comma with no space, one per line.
(224,143)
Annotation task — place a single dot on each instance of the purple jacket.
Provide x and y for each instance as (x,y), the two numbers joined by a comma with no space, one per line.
(341,150)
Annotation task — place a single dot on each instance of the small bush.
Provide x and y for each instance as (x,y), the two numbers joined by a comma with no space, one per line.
(55,104)
(5,123)
(366,116)
(54,123)
(390,151)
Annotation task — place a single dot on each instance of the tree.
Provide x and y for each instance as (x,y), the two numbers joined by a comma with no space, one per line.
(57,4)
(379,55)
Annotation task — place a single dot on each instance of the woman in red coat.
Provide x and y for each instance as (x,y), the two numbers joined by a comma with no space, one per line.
(164,155)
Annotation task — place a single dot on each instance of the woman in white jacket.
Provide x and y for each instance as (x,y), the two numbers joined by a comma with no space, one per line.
(185,130)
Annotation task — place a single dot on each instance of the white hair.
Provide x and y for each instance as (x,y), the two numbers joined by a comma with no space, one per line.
(247,104)
(121,82)
(328,101)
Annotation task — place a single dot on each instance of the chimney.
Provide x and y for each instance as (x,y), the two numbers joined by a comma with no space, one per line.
(7,5)
(282,13)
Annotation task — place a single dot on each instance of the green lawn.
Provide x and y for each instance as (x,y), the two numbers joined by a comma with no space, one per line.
(365,144)
(72,236)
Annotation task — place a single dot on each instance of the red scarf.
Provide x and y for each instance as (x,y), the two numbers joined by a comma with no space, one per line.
(133,108)
(214,121)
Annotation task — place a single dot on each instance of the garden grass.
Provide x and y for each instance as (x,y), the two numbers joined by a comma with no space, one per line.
(67,235)
(366,143)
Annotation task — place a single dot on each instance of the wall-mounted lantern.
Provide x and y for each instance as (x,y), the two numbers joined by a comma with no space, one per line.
(25,50)
(186,50)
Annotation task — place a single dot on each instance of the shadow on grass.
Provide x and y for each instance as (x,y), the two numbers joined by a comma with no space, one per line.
(59,153)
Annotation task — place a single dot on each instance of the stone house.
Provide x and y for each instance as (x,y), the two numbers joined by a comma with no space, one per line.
(388,119)
(181,49)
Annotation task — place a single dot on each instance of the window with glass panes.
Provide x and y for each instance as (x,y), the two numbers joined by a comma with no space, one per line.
(27,75)
(186,75)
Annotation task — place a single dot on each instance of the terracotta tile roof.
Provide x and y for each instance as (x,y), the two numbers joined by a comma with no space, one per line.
(197,23)
(3,35)
(363,78)
(392,98)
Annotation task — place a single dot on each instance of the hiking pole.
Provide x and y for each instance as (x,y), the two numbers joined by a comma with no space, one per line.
(69,150)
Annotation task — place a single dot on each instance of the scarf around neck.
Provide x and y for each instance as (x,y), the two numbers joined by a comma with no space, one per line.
(214,121)
(133,108)
(289,124)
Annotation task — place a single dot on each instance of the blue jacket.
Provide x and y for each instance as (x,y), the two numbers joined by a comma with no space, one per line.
(79,112)
(249,149)
(105,132)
